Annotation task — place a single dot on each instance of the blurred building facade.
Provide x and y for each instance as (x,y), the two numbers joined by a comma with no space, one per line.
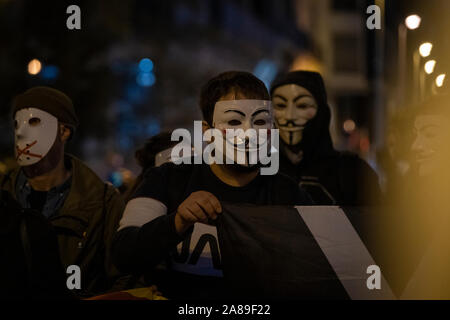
(341,51)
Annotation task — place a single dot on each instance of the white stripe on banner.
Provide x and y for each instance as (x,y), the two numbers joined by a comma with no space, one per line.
(345,251)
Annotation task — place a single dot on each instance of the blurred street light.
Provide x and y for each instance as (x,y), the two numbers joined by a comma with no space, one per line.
(429,66)
(440,80)
(146,65)
(412,22)
(349,126)
(34,67)
(425,49)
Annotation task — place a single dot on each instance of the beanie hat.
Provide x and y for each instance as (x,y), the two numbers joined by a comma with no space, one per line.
(49,100)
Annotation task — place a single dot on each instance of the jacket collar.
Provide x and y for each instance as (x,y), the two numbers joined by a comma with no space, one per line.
(86,192)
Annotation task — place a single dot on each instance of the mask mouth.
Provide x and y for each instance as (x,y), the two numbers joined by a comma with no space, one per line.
(244,145)
(424,157)
(26,151)
(243,148)
(290,125)
(292,129)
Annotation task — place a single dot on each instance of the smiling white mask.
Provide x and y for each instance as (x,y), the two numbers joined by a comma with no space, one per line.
(294,107)
(242,115)
(35,134)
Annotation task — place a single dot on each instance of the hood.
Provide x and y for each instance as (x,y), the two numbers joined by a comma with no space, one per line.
(316,141)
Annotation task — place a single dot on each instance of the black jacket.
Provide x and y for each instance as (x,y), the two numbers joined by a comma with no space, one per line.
(30,264)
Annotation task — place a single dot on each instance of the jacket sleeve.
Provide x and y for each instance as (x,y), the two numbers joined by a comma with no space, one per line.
(7,183)
(136,249)
(140,247)
(115,206)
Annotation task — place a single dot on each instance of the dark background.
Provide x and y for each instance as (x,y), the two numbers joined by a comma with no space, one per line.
(188,42)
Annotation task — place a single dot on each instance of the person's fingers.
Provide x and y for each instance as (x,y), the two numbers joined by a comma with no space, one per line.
(214,201)
(187,214)
(207,207)
(198,212)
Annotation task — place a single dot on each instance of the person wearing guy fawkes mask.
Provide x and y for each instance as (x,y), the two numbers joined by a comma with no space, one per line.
(302,115)
(83,210)
(175,204)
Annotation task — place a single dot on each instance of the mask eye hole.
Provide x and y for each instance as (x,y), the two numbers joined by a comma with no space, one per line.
(16,124)
(234,122)
(306,105)
(34,121)
(280,106)
(260,122)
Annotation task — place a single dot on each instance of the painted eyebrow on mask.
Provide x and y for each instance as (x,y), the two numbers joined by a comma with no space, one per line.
(281,97)
(302,96)
(295,99)
(259,111)
(237,111)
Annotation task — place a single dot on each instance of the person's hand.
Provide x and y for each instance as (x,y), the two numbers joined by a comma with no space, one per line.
(200,206)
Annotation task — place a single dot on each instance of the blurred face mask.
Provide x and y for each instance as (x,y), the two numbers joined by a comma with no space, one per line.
(293,107)
(430,146)
(240,116)
(35,134)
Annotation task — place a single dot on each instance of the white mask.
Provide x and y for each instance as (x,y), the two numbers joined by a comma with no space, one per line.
(166,155)
(244,115)
(163,157)
(35,134)
(293,107)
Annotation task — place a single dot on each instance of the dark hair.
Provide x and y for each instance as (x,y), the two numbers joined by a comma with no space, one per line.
(145,156)
(238,82)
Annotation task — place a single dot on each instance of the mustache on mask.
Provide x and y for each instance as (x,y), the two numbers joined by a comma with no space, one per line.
(246,145)
(290,122)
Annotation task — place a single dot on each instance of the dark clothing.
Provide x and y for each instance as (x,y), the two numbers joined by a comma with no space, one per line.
(172,184)
(31,266)
(337,179)
(85,224)
(45,202)
(139,250)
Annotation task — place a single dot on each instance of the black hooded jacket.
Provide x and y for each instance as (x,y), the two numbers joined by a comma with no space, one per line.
(330,177)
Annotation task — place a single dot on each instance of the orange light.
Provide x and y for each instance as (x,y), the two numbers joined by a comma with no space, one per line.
(349,126)
(364,144)
(34,67)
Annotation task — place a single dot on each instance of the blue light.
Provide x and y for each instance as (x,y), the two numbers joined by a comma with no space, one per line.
(145,79)
(125,143)
(146,65)
(134,93)
(50,72)
(153,128)
(266,70)
(116,179)
(124,107)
